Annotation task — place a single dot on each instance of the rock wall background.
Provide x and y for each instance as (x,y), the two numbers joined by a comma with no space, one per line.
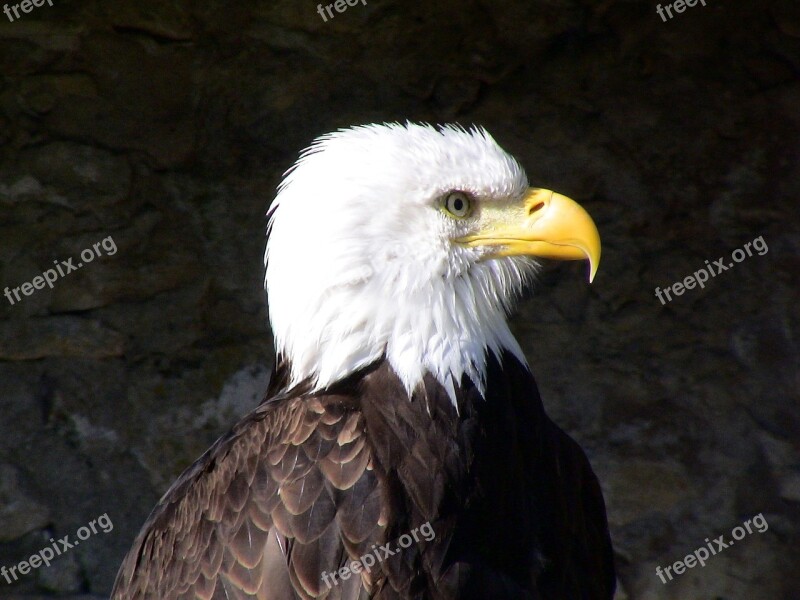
(166,126)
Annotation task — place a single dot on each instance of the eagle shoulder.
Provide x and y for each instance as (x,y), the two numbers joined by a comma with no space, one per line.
(286,495)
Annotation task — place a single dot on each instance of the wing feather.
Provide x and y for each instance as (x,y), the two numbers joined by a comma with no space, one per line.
(264,512)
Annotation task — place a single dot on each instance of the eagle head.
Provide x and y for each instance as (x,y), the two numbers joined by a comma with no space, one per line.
(409,242)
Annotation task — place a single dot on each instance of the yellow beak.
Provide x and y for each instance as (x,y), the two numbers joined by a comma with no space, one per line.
(544,224)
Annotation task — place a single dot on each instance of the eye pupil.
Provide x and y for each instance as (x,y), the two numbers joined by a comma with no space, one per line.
(458,204)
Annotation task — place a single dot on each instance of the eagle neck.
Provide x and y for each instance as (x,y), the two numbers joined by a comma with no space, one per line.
(448,330)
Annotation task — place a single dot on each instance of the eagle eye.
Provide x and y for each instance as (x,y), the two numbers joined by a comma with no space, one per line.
(458,205)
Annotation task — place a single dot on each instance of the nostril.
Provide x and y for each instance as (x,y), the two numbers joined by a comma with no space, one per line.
(535,207)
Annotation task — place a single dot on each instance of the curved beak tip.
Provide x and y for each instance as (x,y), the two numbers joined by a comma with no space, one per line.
(593,265)
(593,256)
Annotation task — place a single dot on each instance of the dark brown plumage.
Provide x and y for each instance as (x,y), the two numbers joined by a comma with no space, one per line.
(309,482)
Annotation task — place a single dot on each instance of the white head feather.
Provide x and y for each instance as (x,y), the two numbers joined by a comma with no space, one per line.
(360,262)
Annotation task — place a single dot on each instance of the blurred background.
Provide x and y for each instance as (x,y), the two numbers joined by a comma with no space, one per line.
(167,125)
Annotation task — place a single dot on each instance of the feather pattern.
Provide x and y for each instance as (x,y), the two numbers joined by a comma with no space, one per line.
(309,482)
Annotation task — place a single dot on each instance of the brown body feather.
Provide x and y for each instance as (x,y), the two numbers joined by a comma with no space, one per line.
(309,482)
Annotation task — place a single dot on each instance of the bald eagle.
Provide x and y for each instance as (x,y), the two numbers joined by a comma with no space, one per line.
(402,450)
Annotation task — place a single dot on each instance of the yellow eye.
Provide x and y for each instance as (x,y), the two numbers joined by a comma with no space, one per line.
(458,204)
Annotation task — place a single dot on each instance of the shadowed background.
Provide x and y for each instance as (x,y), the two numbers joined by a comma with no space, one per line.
(167,125)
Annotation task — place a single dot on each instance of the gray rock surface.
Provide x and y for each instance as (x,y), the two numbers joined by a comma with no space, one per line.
(166,126)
